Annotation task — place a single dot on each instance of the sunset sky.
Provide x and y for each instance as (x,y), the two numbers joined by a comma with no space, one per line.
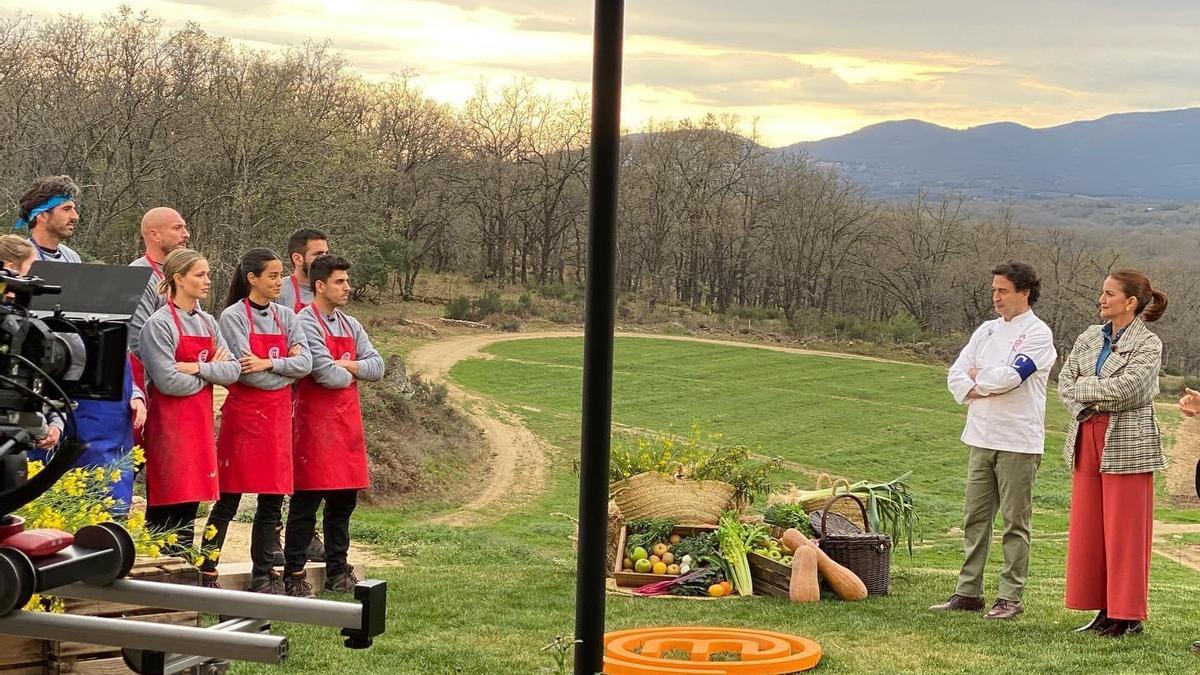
(803,70)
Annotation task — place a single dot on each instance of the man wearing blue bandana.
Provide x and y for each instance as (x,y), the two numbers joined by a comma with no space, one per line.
(1001,376)
(49,210)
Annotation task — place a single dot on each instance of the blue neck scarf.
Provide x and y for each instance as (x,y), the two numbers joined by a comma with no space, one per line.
(27,221)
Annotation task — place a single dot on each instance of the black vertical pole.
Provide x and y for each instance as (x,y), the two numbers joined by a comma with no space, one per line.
(598,337)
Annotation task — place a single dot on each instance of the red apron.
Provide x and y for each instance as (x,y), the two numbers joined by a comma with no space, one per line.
(330,450)
(297,303)
(254,446)
(135,364)
(181,455)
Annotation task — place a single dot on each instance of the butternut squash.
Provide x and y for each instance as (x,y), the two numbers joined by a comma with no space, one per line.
(805,586)
(845,583)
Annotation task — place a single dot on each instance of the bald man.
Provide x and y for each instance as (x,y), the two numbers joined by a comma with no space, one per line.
(163,231)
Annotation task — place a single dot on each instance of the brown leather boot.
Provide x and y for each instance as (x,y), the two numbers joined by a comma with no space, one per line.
(961,603)
(1004,609)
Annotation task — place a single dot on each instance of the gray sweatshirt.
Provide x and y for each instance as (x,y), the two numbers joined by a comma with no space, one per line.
(149,304)
(287,297)
(324,370)
(63,254)
(158,342)
(284,370)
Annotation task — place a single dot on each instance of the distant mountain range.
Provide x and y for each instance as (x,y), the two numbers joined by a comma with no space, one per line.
(1152,155)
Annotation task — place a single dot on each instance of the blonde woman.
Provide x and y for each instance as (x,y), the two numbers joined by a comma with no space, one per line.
(17,254)
(1108,384)
(184,356)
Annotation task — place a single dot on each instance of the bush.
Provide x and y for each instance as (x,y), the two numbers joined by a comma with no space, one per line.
(905,329)
(488,303)
(458,308)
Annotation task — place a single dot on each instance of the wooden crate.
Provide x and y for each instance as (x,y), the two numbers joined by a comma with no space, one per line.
(770,577)
(639,579)
(21,656)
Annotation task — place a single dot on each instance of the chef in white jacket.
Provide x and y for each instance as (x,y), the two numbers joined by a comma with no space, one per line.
(1001,377)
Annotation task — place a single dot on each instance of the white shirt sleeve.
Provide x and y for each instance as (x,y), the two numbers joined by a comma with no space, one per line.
(957,380)
(1037,354)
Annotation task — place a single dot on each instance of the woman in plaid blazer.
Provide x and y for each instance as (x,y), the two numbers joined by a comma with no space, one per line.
(1108,384)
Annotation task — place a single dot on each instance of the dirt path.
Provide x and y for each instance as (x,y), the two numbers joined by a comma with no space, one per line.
(515,450)
(1182,456)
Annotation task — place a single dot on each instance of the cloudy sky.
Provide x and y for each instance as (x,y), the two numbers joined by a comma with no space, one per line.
(804,70)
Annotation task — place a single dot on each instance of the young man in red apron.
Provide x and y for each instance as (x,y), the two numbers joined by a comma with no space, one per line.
(184,357)
(254,446)
(329,449)
(304,246)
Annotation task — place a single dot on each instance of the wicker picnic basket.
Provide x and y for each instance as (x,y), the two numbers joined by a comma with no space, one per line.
(653,495)
(868,554)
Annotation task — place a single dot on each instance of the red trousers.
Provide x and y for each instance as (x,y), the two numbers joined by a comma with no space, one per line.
(1110,533)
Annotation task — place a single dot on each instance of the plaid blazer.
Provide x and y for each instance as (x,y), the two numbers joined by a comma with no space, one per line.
(1125,389)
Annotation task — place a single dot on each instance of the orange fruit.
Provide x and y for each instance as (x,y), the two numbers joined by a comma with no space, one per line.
(727,586)
(716,590)
(660,568)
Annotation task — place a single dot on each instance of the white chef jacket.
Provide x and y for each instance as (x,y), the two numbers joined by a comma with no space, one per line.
(1014,359)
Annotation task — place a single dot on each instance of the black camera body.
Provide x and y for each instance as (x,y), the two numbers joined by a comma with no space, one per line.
(53,353)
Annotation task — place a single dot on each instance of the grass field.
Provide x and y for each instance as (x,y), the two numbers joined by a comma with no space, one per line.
(486,599)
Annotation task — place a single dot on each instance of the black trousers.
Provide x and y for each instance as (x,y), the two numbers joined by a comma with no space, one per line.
(176,518)
(267,517)
(302,524)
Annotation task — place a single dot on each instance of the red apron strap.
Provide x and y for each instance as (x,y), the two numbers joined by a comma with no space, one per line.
(250,316)
(155,267)
(179,324)
(325,329)
(175,317)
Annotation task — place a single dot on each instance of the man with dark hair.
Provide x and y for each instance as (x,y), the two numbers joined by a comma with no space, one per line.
(304,246)
(329,452)
(1001,376)
(48,208)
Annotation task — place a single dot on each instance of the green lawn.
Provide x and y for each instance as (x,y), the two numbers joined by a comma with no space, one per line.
(486,599)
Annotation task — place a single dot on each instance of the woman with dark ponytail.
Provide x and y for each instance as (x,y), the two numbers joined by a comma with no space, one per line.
(254,446)
(1108,384)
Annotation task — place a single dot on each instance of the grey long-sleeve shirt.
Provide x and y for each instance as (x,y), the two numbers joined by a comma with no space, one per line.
(284,370)
(324,370)
(150,303)
(287,296)
(158,342)
(63,253)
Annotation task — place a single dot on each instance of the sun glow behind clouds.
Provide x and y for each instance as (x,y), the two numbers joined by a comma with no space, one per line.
(674,68)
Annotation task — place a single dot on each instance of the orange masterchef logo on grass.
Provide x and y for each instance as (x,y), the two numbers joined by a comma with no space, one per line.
(642,650)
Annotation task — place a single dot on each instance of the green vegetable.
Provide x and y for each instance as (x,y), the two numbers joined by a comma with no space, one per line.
(697,583)
(648,532)
(697,545)
(736,540)
(789,516)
